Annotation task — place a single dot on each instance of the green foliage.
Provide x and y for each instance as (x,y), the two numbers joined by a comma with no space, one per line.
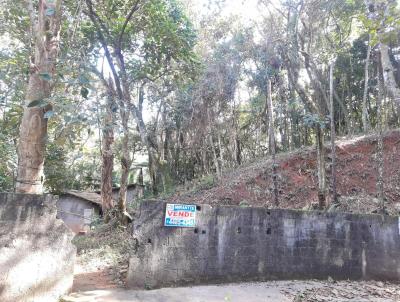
(7,165)
(84,92)
(57,178)
(208,81)
(313,120)
(204,183)
(12,77)
(382,23)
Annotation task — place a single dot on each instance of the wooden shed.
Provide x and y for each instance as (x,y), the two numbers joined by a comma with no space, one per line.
(78,209)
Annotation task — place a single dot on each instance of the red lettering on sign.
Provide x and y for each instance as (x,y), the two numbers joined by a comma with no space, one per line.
(180,214)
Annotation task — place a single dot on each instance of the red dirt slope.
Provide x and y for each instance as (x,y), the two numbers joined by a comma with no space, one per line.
(356,177)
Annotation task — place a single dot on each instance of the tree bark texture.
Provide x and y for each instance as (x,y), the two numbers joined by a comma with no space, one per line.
(140,177)
(321,167)
(154,165)
(238,150)
(333,134)
(215,157)
(375,11)
(379,151)
(33,128)
(212,146)
(125,160)
(388,77)
(107,201)
(271,141)
(365,93)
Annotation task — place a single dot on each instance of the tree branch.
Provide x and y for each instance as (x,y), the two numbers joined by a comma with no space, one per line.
(134,8)
(95,19)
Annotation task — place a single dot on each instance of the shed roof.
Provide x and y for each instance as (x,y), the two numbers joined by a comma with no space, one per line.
(130,186)
(89,196)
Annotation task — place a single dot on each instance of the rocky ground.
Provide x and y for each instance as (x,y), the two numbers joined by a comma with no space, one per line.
(324,291)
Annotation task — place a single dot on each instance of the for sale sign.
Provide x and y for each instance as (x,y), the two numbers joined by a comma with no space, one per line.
(180,215)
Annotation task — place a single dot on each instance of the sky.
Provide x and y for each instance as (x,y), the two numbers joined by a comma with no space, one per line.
(245,9)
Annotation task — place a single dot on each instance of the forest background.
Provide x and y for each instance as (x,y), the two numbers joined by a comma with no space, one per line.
(98,93)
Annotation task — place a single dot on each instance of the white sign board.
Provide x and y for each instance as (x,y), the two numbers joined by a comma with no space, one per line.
(180,215)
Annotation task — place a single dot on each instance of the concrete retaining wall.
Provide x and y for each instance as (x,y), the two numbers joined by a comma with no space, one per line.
(238,244)
(36,253)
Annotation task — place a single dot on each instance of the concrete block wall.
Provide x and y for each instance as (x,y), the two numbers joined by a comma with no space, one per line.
(232,244)
(36,254)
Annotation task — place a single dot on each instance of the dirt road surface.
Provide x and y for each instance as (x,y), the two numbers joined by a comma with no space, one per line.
(273,291)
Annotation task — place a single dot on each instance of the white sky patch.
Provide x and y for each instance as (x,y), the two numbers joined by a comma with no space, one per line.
(247,10)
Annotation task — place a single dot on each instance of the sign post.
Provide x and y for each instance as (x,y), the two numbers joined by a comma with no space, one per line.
(180,215)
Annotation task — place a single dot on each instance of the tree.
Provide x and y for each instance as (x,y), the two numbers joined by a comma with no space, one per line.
(142,41)
(381,22)
(136,77)
(45,34)
(272,143)
(107,153)
(379,148)
(333,134)
(365,119)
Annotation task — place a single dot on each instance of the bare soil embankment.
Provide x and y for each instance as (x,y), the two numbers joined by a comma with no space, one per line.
(251,185)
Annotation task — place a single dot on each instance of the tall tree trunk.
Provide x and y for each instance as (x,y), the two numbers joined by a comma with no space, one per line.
(221,152)
(154,166)
(333,134)
(236,139)
(342,106)
(33,128)
(379,152)
(165,160)
(258,147)
(204,161)
(285,137)
(294,133)
(107,155)
(212,146)
(140,177)
(388,76)
(352,126)
(215,157)
(238,150)
(321,167)
(380,10)
(153,173)
(125,160)
(123,83)
(271,141)
(365,93)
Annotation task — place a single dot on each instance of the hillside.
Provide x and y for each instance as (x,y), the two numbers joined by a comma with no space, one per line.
(251,185)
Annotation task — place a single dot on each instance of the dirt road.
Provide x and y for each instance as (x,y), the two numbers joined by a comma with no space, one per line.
(273,291)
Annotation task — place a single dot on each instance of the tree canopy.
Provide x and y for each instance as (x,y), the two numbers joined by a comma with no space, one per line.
(181,94)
